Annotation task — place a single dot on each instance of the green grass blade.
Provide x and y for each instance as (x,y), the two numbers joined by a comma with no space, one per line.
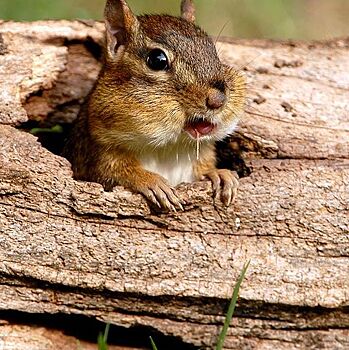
(102,345)
(106,332)
(102,338)
(231,308)
(57,129)
(153,343)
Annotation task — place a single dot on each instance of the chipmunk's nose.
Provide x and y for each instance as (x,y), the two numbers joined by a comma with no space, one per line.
(215,99)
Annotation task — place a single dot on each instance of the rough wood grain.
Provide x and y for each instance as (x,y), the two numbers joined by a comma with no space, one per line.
(302,90)
(69,247)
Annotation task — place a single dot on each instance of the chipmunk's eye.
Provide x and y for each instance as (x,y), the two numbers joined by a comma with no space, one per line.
(157,60)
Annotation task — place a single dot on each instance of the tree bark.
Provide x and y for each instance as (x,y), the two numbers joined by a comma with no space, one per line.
(68,247)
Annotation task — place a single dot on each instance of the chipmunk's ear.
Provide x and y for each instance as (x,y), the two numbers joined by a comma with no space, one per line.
(120,24)
(188,10)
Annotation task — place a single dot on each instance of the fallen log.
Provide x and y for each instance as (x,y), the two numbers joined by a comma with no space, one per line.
(70,248)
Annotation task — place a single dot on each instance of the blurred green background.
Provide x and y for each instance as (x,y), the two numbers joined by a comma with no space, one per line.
(301,19)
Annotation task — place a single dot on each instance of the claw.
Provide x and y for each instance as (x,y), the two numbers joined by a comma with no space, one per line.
(216,183)
(172,196)
(226,195)
(224,185)
(159,192)
(150,196)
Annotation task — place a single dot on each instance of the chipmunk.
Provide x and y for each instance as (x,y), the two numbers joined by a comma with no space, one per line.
(161,101)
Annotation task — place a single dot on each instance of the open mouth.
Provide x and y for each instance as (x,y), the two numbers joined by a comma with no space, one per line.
(199,127)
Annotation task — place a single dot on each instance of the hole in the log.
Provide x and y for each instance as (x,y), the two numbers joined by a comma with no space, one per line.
(50,136)
(84,328)
(91,46)
(52,109)
(229,156)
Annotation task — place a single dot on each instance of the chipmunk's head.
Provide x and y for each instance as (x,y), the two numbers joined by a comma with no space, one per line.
(168,80)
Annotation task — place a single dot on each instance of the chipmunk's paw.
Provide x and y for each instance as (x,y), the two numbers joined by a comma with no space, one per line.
(157,190)
(225,184)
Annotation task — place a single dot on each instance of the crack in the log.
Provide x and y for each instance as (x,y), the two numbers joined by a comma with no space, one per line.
(137,304)
(262,335)
(75,215)
(9,193)
(154,221)
(312,126)
(123,217)
(315,81)
(35,210)
(3,46)
(87,328)
(87,22)
(76,212)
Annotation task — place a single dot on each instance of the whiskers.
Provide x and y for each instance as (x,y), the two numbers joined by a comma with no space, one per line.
(245,65)
(219,36)
(221,31)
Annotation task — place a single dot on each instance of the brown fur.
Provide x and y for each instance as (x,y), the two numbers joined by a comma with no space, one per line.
(133,110)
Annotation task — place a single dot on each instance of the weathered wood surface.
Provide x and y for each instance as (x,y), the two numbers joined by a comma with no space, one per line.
(69,247)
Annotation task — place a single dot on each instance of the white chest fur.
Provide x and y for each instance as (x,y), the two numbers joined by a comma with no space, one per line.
(174,165)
